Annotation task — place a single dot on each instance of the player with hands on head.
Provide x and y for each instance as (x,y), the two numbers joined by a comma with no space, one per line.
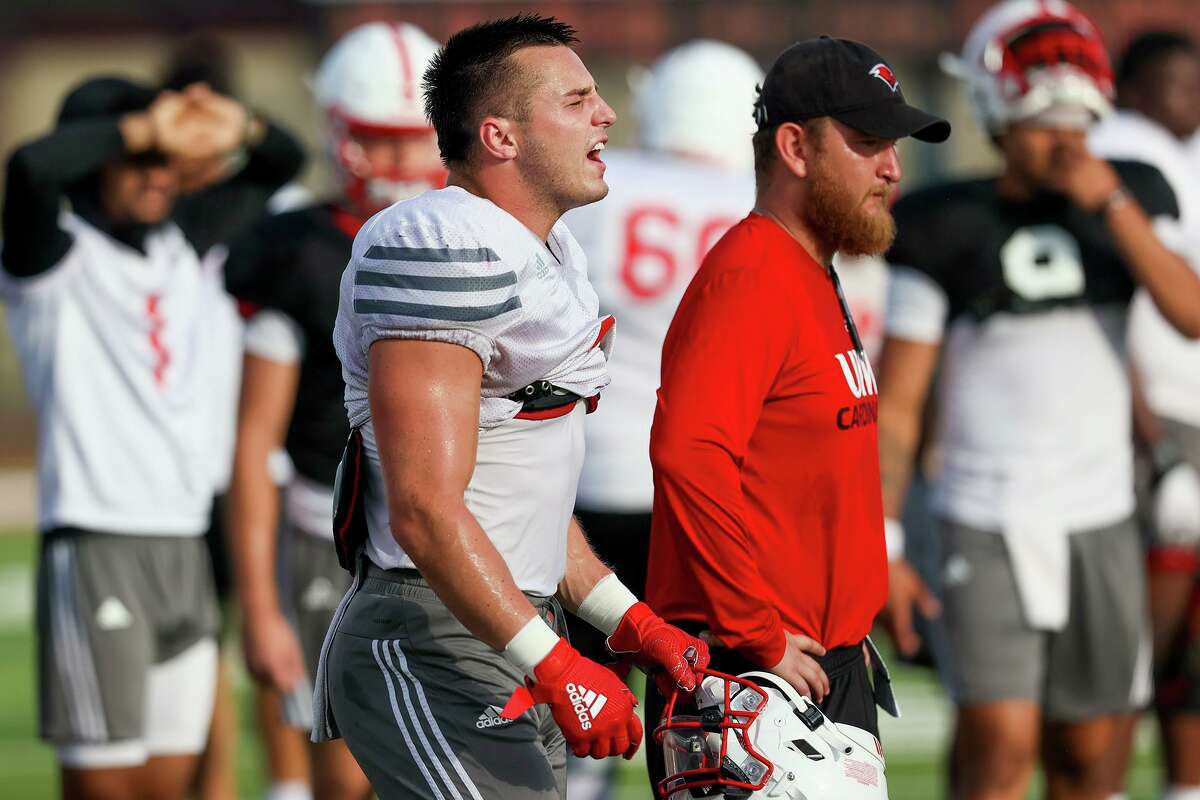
(762,362)
(999,285)
(471,348)
(109,306)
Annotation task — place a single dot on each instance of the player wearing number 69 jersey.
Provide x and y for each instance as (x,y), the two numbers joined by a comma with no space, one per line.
(1018,286)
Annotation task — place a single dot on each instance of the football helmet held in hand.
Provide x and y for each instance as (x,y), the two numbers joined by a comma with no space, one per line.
(755,737)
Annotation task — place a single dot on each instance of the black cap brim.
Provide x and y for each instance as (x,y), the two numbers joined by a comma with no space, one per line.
(895,121)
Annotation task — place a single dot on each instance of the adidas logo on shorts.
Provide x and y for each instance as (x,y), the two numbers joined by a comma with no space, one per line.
(490,718)
(587,704)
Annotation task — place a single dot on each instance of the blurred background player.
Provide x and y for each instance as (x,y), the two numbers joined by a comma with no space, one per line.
(286,271)
(209,61)
(109,307)
(1018,286)
(668,203)
(1157,116)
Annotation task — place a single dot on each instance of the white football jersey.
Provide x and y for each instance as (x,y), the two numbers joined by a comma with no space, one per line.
(644,243)
(449,266)
(117,358)
(1167,363)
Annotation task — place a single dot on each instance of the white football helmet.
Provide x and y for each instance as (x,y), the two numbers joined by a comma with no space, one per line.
(369,84)
(1177,507)
(1025,57)
(755,737)
(698,100)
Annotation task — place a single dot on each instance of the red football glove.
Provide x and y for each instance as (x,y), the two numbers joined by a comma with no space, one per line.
(591,705)
(669,654)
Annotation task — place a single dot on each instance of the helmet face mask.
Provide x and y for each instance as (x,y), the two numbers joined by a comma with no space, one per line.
(754,736)
(1026,57)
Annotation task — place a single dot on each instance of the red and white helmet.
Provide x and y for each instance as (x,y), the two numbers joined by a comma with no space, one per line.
(1024,58)
(698,100)
(369,84)
(755,737)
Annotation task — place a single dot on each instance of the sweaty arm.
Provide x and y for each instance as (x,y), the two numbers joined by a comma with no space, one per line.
(424,400)
(425,408)
(40,172)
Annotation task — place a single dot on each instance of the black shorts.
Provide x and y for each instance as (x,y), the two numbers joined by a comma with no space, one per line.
(851,699)
(623,542)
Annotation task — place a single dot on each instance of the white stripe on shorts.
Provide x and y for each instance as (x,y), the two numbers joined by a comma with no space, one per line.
(412,748)
(437,731)
(72,648)
(416,723)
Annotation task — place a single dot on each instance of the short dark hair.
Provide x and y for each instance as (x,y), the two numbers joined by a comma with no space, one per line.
(471,76)
(1144,51)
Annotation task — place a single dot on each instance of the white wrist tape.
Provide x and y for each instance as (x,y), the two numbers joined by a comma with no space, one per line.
(893,535)
(606,604)
(531,644)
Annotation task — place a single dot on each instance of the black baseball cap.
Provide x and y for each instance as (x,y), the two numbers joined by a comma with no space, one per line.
(848,81)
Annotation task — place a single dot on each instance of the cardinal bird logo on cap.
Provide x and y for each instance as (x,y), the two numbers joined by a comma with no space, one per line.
(885,74)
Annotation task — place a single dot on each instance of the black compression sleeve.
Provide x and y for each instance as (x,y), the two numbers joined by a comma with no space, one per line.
(276,160)
(38,174)
(219,213)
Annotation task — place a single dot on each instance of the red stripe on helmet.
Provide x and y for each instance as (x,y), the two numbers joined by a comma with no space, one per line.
(405,62)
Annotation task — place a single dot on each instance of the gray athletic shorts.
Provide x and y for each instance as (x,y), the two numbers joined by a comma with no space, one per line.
(312,584)
(417,699)
(1098,665)
(109,608)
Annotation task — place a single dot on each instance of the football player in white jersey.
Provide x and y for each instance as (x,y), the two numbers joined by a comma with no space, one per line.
(1158,99)
(1018,286)
(669,201)
(288,267)
(108,306)
(471,346)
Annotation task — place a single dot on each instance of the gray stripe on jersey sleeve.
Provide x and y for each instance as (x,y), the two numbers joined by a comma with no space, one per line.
(436,283)
(448,313)
(440,255)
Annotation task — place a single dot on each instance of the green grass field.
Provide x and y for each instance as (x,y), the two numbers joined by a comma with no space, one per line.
(914,744)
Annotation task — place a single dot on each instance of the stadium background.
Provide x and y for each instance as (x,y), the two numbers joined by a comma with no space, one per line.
(272,47)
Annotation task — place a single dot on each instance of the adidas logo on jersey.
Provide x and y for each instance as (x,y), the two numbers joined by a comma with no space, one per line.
(112,615)
(490,718)
(586,703)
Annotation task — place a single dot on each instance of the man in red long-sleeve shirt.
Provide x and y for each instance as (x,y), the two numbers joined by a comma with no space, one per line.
(767,521)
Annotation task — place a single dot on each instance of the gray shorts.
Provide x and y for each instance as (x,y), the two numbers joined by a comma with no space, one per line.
(1097,665)
(110,607)
(312,584)
(417,699)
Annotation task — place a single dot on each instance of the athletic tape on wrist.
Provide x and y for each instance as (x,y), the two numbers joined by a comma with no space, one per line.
(531,644)
(606,604)
(893,535)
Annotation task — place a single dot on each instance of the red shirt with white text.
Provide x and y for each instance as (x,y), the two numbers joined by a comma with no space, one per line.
(767,508)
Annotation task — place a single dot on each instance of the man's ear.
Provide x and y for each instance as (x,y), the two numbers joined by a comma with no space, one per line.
(497,139)
(791,145)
